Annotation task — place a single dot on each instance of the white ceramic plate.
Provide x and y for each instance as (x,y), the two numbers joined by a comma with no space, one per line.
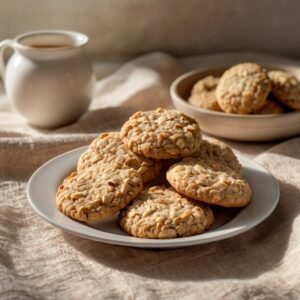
(42,186)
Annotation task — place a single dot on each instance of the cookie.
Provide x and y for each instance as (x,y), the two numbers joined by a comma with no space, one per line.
(161,134)
(209,181)
(109,148)
(203,94)
(243,89)
(271,107)
(215,150)
(98,192)
(285,88)
(161,213)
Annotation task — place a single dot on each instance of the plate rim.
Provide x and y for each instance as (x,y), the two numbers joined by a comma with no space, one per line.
(142,242)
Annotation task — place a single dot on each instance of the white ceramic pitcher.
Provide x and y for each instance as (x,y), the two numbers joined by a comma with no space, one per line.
(49,77)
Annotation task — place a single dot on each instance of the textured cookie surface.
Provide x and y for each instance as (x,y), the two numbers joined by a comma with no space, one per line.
(243,89)
(271,107)
(209,181)
(285,88)
(162,213)
(211,149)
(98,192)
(109,148)
(161,134)
(204,93)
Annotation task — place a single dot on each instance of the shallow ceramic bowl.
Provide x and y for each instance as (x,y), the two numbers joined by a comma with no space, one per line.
(233,126)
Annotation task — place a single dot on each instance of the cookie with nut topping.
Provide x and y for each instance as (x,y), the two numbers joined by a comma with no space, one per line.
(285,88)
(211,149)
(243,89)
(109,148)
(203,94)
(161,134)
(98,192)
(162,213)
(209,181)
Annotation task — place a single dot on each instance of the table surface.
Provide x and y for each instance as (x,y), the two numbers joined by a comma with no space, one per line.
(40,261)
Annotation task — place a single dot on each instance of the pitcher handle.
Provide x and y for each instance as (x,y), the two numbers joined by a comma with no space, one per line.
(3,45)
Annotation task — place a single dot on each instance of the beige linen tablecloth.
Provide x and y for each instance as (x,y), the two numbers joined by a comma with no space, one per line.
(39,261)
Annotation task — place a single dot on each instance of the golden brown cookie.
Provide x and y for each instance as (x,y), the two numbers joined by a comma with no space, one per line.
(243,89)
(161,134)
(161,213)
(211,149)
(285,88)
(109,148)
(209,181)
(98,192)
(271,107)
(204,93)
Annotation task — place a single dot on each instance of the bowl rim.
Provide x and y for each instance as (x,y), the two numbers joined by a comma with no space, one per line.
(176,97)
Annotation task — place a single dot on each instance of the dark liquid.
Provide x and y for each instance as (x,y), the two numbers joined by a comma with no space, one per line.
(49,46)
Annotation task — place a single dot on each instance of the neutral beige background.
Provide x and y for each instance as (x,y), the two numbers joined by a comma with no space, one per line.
(131,27)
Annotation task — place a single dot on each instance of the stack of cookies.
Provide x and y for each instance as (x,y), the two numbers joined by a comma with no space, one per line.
(116,175)
(248,89)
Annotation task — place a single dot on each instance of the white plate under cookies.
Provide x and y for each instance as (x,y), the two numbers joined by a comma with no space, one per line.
(43,184)
(234,126)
